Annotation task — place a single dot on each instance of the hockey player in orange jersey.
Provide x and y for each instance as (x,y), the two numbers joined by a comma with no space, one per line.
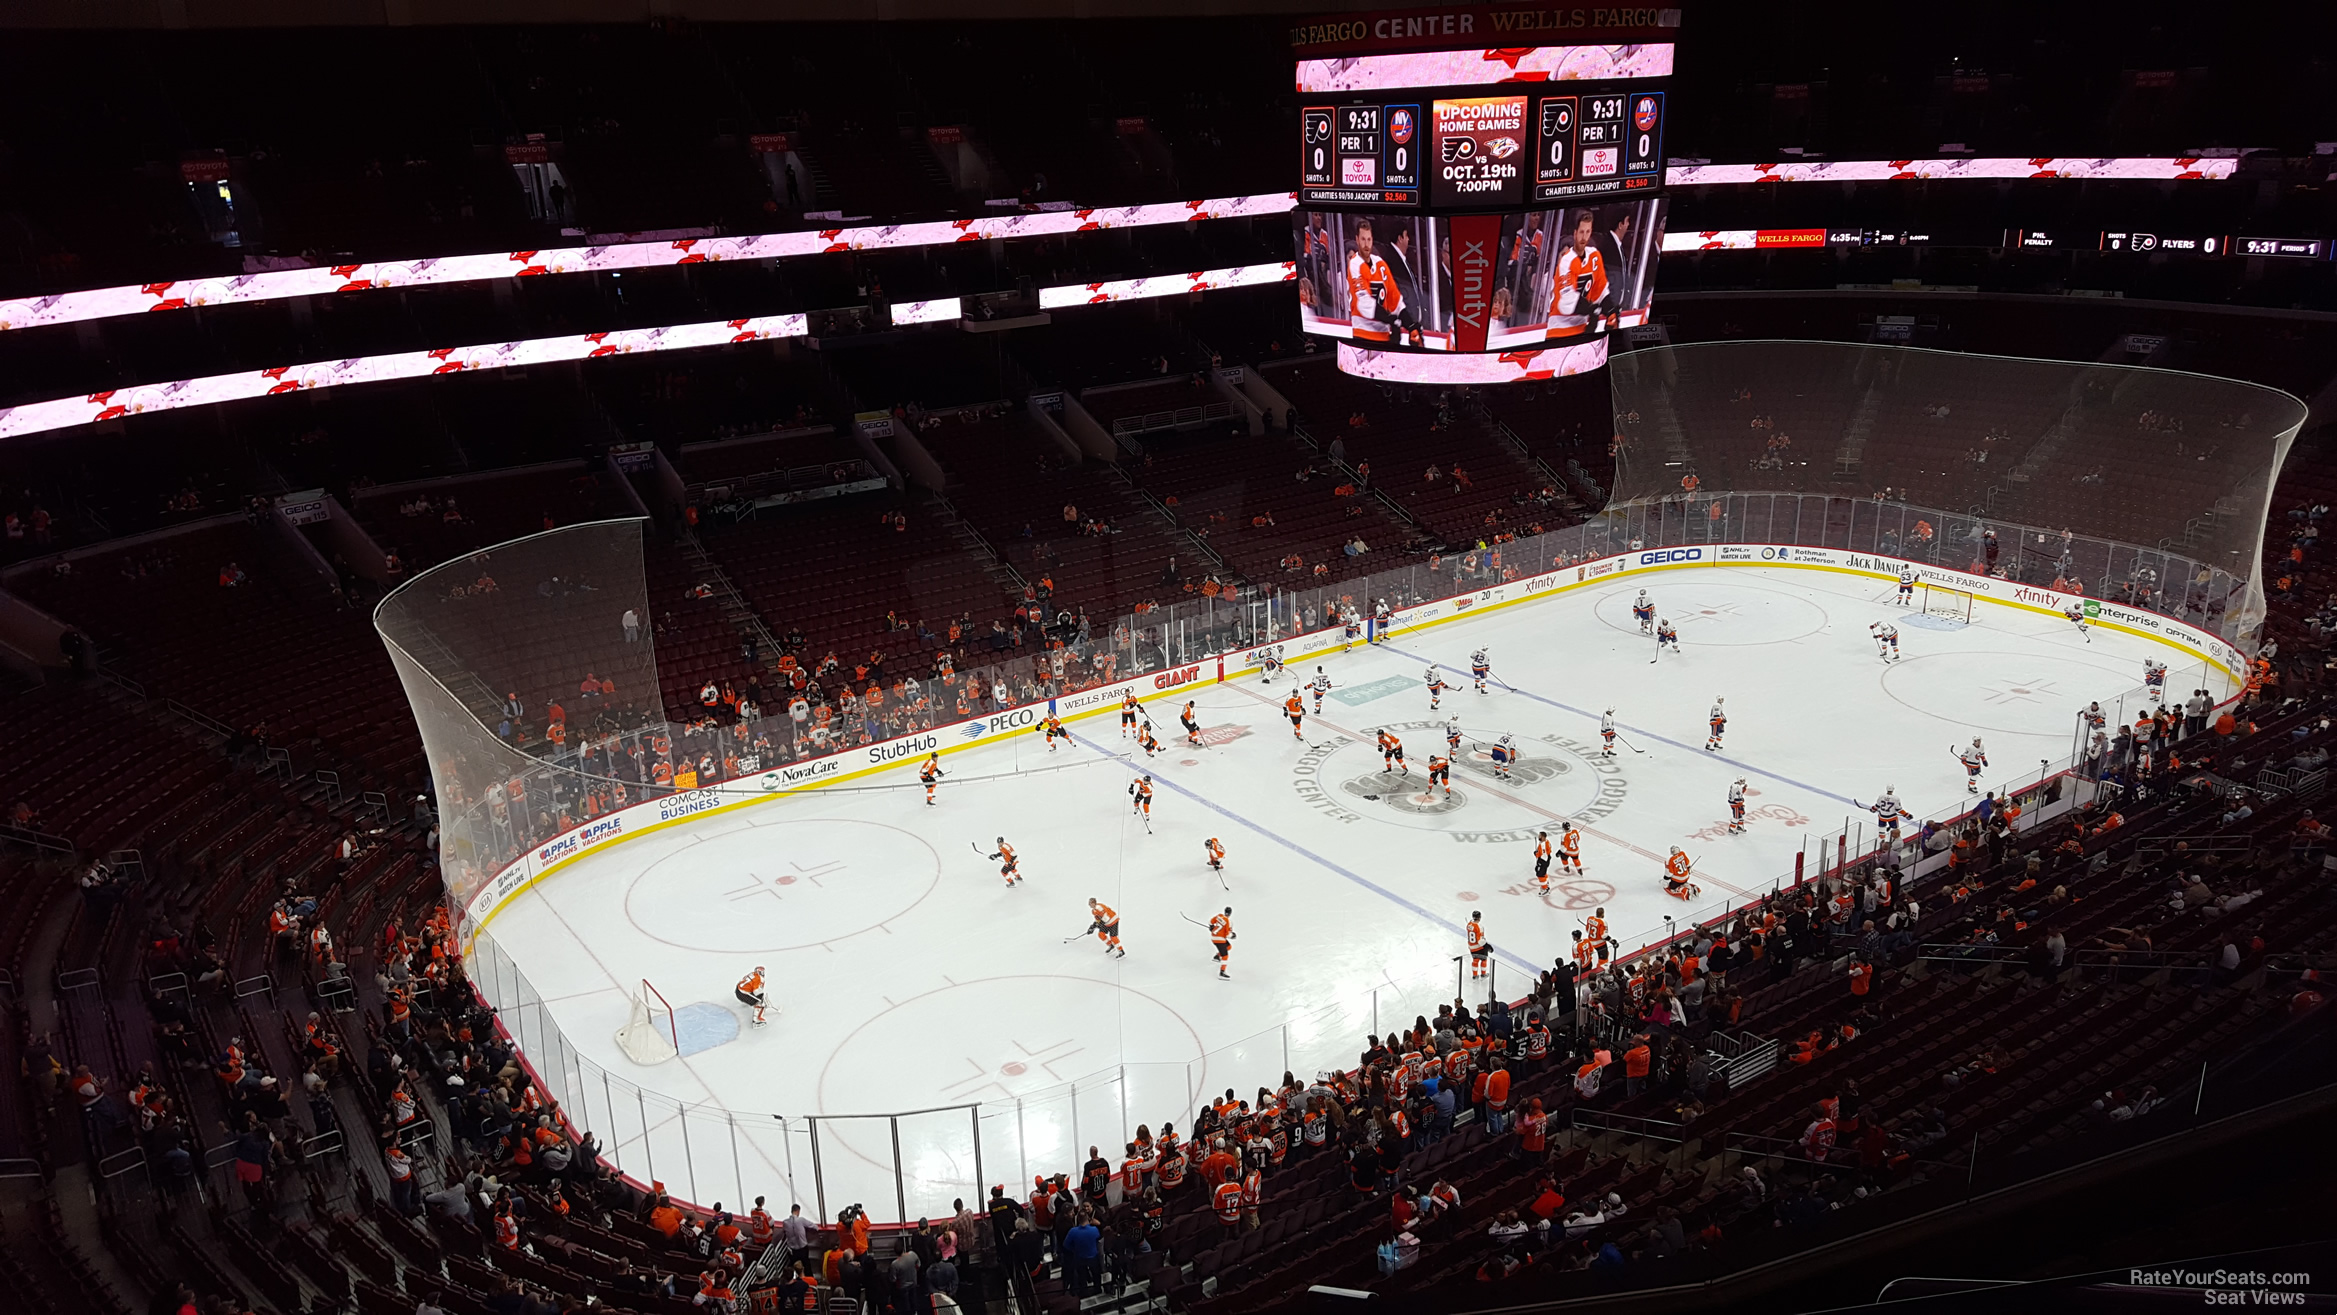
(750,992)
(1221,936)
(1480,949)
(1007,866)
(1106,926)
(1216,854)
(1295,709)
(1391,752)
(1579,284)
(1376,311)
(929,773)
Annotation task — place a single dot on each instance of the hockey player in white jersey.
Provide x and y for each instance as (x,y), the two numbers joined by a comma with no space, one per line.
(1887,812)
(1452,736)
(1973,759)
(1643,612)
(1353,623)
(1665,637)
(1607,733)
(1434,679)
(1736,806)
(2076,614)
(1269,664)
(1719,725)
(1379,621)
(1886,638)
(1906,586)
(2154,680)
(1504,755)
(1321,685)
(1479,668)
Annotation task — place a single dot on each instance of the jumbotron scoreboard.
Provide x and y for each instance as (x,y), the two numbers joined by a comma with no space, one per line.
(1463,148)
(1480,188)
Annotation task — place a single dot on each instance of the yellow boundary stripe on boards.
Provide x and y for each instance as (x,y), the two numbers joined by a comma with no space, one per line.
(1332,646)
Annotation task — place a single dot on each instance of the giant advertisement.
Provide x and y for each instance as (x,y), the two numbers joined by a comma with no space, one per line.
(1476,283)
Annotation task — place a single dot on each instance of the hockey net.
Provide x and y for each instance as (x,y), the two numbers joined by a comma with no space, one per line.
(650,1034)
(1948,604)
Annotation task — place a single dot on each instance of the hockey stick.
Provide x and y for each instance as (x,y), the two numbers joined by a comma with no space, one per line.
(978,850)
(1191,919)
(1079,936)
(1629,745)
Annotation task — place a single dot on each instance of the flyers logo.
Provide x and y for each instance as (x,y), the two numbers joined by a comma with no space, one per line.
(1457,148)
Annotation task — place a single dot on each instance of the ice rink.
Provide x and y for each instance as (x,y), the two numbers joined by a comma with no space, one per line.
(910,977)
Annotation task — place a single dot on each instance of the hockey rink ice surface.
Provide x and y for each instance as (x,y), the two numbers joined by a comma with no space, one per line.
(906,975)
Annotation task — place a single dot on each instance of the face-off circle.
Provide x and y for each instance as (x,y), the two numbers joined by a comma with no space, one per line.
(1000,1041)
(782,886)
(1577,893)
(1551,780)
(1717,612)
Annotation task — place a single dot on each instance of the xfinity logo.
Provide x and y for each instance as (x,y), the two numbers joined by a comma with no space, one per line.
(1671,555)
(1177,676)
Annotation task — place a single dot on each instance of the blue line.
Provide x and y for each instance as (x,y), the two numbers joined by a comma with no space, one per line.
(1660,739)
(1303,852)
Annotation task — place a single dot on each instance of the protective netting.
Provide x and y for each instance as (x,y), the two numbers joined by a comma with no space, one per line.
(529,620)
(2111,455)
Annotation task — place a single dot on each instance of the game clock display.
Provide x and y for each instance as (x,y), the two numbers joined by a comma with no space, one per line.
(1362,154)
(1482,148)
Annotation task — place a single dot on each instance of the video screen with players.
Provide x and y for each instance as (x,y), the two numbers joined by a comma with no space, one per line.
(1498,146)
(1477,283)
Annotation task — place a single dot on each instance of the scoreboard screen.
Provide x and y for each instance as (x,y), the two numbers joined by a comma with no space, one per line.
(1482,148)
